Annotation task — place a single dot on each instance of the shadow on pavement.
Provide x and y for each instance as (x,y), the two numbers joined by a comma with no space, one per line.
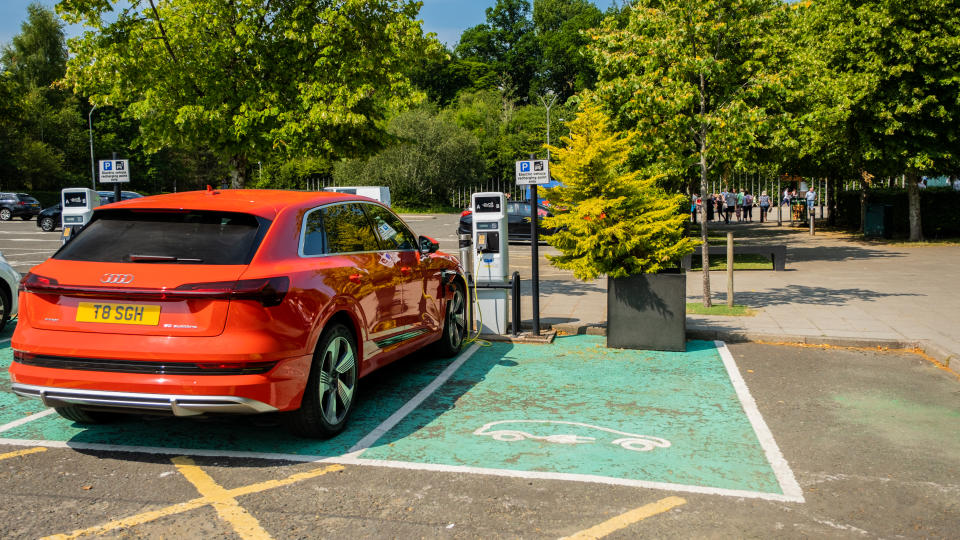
(801,294)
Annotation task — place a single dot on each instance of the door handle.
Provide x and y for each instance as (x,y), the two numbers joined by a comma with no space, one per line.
(356,278)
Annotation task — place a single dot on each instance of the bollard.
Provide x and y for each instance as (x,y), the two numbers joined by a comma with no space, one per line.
(729,269)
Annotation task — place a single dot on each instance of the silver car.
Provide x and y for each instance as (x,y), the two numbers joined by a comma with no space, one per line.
(8,291)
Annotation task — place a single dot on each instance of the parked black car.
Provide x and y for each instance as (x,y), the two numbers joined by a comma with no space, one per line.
(50,218)
(19,205)
(518,221)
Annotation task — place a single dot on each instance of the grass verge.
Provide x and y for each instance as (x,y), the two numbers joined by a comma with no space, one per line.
(697,308)
(740,262)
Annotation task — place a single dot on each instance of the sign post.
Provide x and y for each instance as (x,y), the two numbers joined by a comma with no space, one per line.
(534,172)
(115,171)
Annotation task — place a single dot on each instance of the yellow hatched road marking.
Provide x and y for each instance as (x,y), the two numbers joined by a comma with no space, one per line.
(213,500)
(226,506)
(627,519)
(9,455)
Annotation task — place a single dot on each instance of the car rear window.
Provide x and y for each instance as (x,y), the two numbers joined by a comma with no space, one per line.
(167,236)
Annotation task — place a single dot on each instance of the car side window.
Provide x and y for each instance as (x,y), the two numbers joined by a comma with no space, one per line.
(347,229)
(391,231)
(313,235)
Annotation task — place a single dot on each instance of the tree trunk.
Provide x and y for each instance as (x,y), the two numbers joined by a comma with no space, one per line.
(705,246)
(238,171)
(704,250)
(863,206)
(913,203)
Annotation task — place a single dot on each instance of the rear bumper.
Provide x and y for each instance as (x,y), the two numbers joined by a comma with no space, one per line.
(178,405)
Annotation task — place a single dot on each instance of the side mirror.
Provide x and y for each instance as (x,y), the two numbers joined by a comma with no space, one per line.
(428,245)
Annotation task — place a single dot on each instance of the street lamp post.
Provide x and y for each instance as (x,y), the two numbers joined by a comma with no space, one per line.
(93,166)
(553,98)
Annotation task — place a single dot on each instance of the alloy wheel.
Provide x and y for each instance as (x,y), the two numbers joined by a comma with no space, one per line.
(338,380)
(457,319)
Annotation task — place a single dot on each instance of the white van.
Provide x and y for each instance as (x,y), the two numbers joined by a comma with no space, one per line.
(377,193)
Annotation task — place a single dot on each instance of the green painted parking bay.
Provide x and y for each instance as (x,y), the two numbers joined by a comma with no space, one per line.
(577,410)
(574,410)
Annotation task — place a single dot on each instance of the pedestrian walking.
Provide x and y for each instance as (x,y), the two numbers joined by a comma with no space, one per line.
(731,200)
(694,207)
(764,201)
(740,205)
(748,207)
(811,197)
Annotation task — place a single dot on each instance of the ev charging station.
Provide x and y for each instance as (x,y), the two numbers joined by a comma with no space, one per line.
(491,260)
(77,206)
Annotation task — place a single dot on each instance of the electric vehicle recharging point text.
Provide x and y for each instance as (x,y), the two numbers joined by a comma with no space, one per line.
(491,259)
(76,206)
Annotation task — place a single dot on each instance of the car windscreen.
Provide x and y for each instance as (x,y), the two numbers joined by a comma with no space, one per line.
(167,236)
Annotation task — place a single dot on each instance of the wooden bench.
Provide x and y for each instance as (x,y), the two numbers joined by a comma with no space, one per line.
(777,254)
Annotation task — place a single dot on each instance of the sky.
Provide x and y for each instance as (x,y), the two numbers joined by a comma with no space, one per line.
(446,18)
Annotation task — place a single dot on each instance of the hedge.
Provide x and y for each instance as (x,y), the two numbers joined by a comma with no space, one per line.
(939,210)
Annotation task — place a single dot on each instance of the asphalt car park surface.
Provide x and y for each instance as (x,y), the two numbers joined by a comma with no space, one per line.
(521,441)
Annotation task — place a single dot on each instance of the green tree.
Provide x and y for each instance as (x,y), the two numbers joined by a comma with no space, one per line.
(508,43)
(38,55)
(433,156)
(611,221)
(249,78)
(42,136)
(562,28)
(691,77)
(890,70)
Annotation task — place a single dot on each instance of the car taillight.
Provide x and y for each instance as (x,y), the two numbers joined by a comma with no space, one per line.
(37,283)
(267,291)
(465,213)
(21,203)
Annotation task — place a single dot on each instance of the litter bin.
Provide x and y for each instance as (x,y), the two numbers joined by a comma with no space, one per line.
(879,220)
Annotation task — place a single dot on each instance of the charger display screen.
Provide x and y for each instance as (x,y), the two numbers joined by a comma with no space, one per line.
(488,204)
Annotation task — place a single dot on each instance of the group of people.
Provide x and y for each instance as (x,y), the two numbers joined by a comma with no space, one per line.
(726,204)
(739,204)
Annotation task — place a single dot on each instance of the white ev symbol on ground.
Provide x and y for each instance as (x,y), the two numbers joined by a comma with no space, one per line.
(631,441)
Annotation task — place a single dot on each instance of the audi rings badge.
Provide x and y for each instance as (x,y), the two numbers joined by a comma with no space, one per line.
(116,279)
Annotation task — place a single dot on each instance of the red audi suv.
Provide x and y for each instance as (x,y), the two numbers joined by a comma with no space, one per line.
(233,301)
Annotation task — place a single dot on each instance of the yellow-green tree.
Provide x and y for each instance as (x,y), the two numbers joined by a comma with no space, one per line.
(610,221)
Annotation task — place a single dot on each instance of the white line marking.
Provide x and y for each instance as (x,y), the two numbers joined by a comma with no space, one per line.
(788,483)
(4,340)
(347,459)
(29,240)
(409,406)
(24,420)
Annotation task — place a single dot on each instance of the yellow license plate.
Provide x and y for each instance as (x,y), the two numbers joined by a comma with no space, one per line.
(118,313)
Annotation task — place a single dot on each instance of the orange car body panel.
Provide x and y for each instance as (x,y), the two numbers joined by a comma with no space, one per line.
(400,291)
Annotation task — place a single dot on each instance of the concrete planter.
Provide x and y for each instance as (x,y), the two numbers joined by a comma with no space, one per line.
(647,311)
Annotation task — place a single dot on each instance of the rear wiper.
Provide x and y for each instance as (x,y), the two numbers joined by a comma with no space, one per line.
(161,258)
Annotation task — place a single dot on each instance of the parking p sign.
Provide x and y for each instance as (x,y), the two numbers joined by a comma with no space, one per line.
(114,170)
(533,172)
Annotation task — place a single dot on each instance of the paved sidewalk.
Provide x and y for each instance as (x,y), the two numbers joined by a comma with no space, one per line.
(835,287)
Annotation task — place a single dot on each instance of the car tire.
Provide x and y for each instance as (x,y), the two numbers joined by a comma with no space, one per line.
(5,214)
(83,416)
(454,324)
(330,394)
(47,224)
(5,297)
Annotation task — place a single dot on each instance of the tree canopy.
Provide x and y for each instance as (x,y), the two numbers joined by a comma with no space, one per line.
(249,78)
